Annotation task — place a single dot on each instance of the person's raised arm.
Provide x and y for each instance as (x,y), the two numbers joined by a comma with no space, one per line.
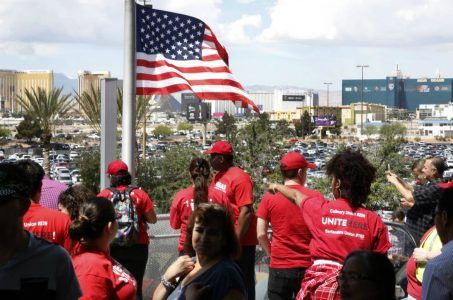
(405,192)
(292,194)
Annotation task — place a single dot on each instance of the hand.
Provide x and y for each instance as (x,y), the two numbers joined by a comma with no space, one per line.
(272,187)
(406,204)
(198,291)
(420,255)
(391,177)
(183,265)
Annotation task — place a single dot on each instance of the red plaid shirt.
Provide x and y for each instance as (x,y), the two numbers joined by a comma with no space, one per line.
(320,283)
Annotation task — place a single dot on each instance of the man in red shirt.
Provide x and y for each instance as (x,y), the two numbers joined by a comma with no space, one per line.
(135,257)
(46,223)
(289,251)
(238,187)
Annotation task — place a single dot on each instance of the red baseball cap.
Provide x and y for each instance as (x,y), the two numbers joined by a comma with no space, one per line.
(294,160)
(220,147)
(116,167)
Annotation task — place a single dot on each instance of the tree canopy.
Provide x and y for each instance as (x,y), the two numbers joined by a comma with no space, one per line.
(162,131)
(185,127)
(28,129)
(45,107)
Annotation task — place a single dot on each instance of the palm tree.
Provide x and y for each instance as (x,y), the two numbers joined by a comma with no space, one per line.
(141,108)
(45,107)
(90,105)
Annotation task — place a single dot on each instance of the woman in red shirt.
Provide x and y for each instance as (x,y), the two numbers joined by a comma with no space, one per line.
(186,200)
(99,275)
(340,226)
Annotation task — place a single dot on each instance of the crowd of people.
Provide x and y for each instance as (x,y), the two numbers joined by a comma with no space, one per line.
(87,246)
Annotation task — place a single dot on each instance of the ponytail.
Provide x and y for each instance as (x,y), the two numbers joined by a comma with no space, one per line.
(199,172)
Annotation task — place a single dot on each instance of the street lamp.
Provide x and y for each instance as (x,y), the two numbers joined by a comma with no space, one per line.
(327,85)
(361,98)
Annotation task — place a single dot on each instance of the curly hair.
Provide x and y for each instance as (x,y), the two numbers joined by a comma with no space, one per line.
(73,197)
(355,173)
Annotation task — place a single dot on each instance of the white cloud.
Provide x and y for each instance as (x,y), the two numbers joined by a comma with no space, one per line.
(361,23)
(93,22)
(235,32)
(245,1)
(54,21)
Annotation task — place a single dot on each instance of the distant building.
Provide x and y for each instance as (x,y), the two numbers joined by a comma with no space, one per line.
(398,91)
(442,111)
(356,113)
(436,128)
(284,100)
(88,79)
(436,120)
(14,83)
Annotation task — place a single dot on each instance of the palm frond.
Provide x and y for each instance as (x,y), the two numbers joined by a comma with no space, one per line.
(90,105)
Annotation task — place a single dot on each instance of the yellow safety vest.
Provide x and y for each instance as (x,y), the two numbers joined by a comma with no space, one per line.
(431,243)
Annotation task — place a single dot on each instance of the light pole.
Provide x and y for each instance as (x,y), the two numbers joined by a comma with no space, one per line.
(361,99)
(327,85)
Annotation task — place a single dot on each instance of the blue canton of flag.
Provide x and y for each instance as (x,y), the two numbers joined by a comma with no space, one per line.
(175,36)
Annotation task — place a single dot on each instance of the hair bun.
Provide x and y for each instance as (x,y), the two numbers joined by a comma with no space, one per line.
(83,218)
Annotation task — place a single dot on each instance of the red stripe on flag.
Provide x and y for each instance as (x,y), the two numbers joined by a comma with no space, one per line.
(163,63)
(209,38)
(168,75)
(212,57)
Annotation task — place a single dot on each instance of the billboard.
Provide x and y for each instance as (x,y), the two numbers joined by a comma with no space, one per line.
(325,121)
(196,110)
(297,98)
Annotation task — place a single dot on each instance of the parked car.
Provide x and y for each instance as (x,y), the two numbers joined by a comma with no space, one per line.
(74,155)
(64,178)
(75,176)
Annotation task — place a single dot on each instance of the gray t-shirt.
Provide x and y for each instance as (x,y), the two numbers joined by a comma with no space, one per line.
(41,271)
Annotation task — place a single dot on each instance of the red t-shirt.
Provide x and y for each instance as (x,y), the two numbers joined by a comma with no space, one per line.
(182,207)
(143,204)
(238,187)
(338,229)
(102,277)
(290,236)
(48,224)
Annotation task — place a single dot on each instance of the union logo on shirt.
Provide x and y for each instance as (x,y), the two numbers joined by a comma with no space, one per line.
(122,275)
(220,186)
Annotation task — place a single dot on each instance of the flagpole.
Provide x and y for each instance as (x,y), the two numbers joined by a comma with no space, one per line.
(129,114)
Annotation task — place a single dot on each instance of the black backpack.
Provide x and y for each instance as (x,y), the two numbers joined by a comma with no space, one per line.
(127,217)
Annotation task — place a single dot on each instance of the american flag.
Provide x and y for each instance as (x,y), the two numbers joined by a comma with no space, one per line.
(179,53)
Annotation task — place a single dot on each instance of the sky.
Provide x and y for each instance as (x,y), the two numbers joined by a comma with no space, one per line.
(300,43)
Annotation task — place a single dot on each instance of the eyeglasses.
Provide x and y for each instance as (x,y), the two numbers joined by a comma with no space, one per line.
(342,277)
